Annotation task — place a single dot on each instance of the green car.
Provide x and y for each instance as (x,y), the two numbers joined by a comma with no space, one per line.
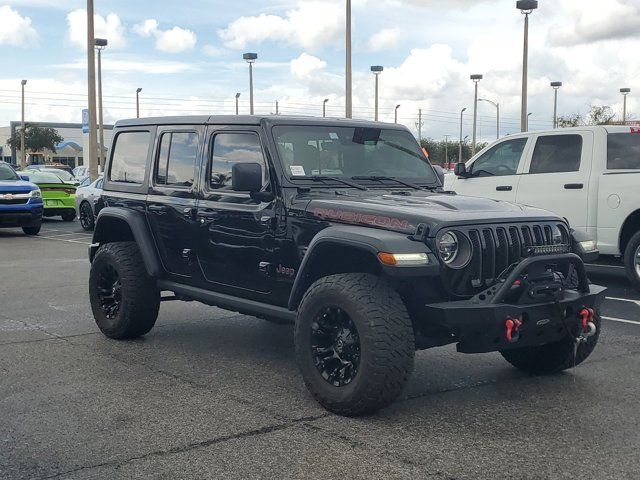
(58,196)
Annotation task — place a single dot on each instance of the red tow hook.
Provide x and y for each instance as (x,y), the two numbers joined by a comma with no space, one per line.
(586,320)
(513,329)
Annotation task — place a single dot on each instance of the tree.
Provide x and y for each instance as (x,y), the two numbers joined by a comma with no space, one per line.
(598,115)
(36,139)
(567,121)
(436,150)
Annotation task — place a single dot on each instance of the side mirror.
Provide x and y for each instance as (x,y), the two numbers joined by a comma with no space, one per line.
(440,173)
(461,170)
(24,177)
(246,177)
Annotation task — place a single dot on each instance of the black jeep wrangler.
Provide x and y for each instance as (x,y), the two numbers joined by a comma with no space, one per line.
(342,228)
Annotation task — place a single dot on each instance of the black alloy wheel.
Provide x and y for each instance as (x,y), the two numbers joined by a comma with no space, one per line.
(335,346)
(109,291)
(87,220)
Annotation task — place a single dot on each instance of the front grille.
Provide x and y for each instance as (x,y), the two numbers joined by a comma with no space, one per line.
(14,201)
(497,247)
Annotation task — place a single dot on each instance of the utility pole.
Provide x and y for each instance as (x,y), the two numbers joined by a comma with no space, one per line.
(138,90)
(324,107)
(237,104)
(419,125)
(91,64)
(476,78)
(377,70)
(348,87)
(396,115)
(446,150)
(100,44)
(526,7)
(277,108)
(624,92)
(23,155)
(460,150)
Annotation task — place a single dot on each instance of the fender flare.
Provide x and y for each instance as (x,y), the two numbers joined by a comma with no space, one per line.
(140,230)
(370,240)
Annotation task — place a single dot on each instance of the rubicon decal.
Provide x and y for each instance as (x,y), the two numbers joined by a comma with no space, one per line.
(363,218)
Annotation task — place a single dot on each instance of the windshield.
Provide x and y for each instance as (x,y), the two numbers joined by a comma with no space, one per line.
(63,174)
(347,152)
(7,173)
(43,177)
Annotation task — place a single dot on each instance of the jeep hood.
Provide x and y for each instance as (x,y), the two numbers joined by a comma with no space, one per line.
(405,212)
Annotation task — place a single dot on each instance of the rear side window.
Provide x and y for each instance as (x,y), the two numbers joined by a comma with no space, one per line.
(229,149)
(623,151)
(557,153)
(129,159)
(177,159)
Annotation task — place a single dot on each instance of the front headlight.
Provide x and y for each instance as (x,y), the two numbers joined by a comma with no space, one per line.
(448,247)
(36,193)
(588,246)
(455,249)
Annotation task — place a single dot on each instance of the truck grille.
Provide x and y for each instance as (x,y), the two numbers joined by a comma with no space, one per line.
(497,247)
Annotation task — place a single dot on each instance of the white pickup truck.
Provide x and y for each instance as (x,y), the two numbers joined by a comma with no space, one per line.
(590,175)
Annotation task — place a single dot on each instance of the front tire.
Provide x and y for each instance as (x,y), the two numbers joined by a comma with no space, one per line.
(632,260)
(553,357)
(87,219)
(354,343)
(69,215)
(33,230)
(124,298)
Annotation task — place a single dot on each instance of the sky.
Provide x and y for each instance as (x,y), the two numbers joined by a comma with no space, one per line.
(187,58)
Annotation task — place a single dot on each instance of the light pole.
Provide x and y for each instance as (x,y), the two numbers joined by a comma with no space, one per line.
(446,151)
(349,85)
(476,79)
(138,102)
(324,107)
(91,84)
(528,115)
(250,59)
(396,113)
(238,103)
(556,86)
(377,70)
(23,157)
(497,105)
(526,7)
(461,141)
(100,44)
(624,92)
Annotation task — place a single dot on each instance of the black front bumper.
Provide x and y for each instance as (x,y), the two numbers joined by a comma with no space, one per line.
(478,324)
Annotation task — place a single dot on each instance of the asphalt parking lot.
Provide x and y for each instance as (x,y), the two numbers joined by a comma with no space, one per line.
(213,394)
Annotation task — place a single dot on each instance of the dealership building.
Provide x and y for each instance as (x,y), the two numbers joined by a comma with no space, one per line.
(68,152)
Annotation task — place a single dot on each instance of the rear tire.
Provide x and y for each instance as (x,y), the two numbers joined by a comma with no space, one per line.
(31,231)
(87,219)
(553,357)
(376,321)
(69,216)
(124,298)
(632,260)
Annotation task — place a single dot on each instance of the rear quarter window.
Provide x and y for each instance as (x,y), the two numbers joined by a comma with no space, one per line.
(623,151)
(129,158)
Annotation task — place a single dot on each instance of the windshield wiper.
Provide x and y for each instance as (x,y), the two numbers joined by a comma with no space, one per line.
(381,178)
(322,178)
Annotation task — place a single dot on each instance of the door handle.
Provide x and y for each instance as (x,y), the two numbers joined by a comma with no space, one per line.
(189,213)
(504,188)
(573,186)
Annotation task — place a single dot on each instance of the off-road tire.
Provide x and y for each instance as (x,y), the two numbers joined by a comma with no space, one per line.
(87,219)
(386,341)
(553,357)
(140,298)
(32,230)
(629,260)
(68,216)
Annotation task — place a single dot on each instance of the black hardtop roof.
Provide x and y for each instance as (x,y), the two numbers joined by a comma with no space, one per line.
(253,120)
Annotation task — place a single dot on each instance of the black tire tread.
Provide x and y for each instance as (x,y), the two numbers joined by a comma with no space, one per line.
(629,261)
(31,230)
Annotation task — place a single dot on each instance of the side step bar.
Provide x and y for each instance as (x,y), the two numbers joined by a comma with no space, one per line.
(228,302)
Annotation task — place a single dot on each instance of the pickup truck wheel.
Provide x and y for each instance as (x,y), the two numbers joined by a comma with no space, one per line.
(124,299)
(632,260)
(553,357)
(354,343)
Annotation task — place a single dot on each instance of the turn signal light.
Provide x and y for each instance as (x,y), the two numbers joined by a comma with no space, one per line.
(403,259)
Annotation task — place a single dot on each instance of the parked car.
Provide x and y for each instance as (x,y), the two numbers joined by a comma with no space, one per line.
(20,202)
(342,228)
(57,195)
(59,166)
(63,174)
(589,175)
(88,202)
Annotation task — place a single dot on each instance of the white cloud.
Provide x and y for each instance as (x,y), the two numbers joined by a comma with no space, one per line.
(213,51)
(175,40)
(385,39)
(311,25)
(109,27)
(306,65)
(16,30)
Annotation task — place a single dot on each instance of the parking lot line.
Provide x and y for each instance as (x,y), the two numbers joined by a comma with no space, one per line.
(41,237)
(621,320)
(628,300)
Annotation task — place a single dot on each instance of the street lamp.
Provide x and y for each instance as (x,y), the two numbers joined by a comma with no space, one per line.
(324,107)
(476,78)
(528,115)
(377,70)
(138,102)
(526,7)
(348,81)
(556,86)
(396,116)
(250,59)
(497,105)
(91,86)
(624,92)
(23,157)
(100,44)
(461,117)
(238,103)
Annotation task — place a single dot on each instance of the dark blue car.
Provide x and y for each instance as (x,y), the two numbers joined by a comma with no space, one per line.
(20,202)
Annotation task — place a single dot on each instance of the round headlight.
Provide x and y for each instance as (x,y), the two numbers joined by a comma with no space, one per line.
(448,247)
(558,237)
